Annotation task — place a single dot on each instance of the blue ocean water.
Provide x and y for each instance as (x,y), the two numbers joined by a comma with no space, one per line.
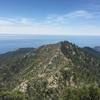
(13,42)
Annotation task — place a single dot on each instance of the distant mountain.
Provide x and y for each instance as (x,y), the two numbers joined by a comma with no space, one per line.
(92,51)
(97,48)
(61,71)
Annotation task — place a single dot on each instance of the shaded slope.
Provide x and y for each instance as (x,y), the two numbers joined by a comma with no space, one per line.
(92,52)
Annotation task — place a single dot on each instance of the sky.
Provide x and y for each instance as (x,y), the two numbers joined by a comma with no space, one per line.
(50,17)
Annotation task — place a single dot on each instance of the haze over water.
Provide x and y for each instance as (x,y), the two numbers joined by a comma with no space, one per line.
(13,42)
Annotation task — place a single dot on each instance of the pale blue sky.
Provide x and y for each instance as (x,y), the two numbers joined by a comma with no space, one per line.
(50,17)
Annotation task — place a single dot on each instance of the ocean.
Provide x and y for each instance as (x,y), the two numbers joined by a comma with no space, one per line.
(13,42)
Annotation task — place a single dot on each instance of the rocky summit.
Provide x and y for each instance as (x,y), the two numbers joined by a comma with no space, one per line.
(61,71)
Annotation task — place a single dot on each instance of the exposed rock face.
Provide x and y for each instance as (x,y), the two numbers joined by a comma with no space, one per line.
(52,82)
(23,86)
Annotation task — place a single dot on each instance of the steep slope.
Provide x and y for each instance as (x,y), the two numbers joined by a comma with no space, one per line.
(11,63)
(46,72)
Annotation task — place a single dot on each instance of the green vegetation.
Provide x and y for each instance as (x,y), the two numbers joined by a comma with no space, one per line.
(83,93)
(61,71)
(16,95)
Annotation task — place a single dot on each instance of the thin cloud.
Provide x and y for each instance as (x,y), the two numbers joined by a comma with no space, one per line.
(52,25)
(69,17)
(52,19)
(80,14)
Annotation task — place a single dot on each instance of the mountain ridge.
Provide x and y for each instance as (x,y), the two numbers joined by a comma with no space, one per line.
(46,72)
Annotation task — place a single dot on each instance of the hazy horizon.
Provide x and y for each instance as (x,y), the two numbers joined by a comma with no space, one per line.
(31,23)
(13,42)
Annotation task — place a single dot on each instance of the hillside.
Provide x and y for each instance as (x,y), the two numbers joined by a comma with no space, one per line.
(61,71)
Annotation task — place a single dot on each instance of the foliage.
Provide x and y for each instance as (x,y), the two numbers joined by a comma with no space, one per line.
(61,71)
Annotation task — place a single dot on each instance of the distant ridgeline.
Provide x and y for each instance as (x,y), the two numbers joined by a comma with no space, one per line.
(61,71)
(97,48)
